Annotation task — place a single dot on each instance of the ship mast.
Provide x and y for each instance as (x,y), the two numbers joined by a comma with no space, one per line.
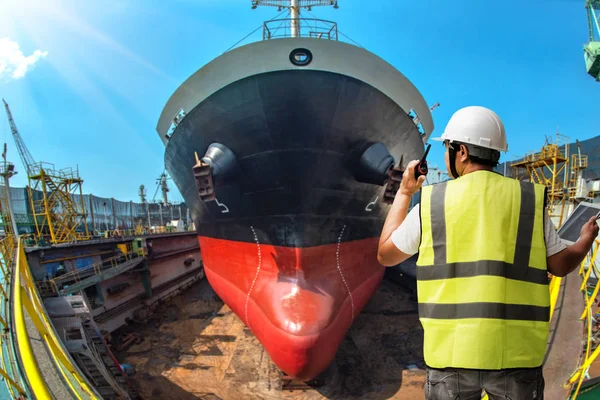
(294,6)
(295,17)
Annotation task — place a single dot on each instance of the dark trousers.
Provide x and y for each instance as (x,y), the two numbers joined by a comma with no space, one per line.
(467,384)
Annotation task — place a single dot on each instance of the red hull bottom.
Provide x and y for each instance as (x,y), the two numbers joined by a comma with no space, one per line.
(298,302)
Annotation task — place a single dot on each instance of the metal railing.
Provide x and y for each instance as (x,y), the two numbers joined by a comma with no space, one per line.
(588,266)
(32,239)
(142,231)
(301,3)
(15,383)
(307,27)
(26,302)
(55,285)
(50,169)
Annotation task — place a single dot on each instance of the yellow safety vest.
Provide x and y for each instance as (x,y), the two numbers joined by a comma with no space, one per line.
(482,283)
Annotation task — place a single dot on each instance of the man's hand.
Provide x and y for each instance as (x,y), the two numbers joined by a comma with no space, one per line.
(388,254)
(589,230)
(410,185)
(563,263)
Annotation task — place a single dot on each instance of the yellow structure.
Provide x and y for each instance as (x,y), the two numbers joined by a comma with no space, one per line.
(588,265)
(577,191)
(549,167)
(56,215)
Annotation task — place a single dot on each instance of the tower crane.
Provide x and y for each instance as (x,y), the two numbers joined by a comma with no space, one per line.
(161,183)
(164,188)
(24,153)
(142,194)
(591,51)
(56,215)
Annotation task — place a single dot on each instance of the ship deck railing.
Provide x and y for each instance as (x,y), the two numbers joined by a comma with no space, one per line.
(307,27)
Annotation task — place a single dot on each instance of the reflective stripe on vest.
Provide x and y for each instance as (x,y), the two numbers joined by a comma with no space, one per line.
(481,274)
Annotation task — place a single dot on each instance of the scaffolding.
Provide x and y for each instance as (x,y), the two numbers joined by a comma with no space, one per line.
(55,213)
(562,173)
(549,167)
(578,190)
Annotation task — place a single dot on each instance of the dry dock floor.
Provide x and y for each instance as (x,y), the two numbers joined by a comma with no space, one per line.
(195,347)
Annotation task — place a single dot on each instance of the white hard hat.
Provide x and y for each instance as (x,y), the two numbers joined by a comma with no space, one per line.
(478,126)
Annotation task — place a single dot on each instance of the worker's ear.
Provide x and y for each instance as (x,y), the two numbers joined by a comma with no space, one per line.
(463,153)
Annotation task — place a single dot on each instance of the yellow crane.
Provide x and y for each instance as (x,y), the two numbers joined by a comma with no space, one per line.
(57,216)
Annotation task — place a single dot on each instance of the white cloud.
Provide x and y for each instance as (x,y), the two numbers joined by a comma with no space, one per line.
(13,63)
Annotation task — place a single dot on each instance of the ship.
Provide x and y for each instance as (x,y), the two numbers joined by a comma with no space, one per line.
(283,149)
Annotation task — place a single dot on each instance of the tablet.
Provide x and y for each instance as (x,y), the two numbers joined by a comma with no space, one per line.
(569,231)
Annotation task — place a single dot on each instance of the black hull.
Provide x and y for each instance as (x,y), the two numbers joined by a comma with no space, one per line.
(293,134)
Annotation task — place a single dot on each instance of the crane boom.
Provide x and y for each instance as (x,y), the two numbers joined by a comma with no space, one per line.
(593,7)
(592,48)
(26,156)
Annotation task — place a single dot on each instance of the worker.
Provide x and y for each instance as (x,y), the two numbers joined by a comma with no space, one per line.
(485,245)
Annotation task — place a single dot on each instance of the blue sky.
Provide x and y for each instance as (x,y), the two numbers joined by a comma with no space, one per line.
(105,69)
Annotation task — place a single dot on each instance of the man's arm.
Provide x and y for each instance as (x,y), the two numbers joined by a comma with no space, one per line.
(388,254)
(563,263)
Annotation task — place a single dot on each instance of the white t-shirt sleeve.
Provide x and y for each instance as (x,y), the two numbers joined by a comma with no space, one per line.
(407,237)
(554,243)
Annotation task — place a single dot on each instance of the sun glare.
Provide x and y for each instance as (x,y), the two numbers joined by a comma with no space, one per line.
(87,57)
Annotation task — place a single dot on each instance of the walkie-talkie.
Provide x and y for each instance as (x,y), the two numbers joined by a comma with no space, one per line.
(421,167)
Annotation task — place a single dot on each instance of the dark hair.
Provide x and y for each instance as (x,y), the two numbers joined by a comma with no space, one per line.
(482,161)
(492,161)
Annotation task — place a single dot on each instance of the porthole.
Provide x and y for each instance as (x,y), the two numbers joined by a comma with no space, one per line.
(301,57)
